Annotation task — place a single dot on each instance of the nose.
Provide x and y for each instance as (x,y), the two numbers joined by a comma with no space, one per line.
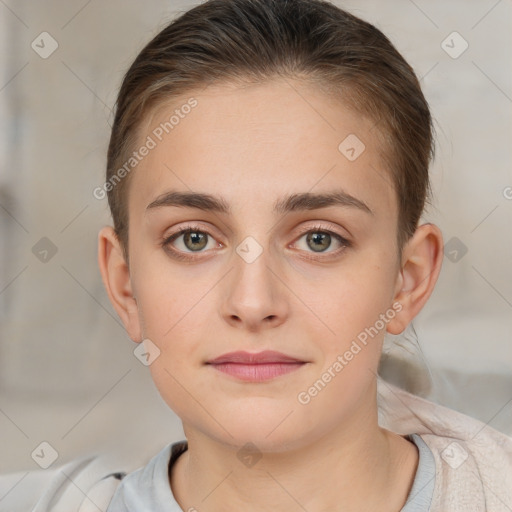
(255,296)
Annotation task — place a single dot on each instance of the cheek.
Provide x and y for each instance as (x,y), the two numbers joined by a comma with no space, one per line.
(170,300)
(172,313)
(349,345)
(352,298)
(352,309)
(176,310)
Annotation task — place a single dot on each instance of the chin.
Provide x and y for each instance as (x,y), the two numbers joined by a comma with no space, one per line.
(268,433)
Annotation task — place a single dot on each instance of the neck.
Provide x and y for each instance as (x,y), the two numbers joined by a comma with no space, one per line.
(358,466)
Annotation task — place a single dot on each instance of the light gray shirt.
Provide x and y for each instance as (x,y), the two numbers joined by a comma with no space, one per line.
(148,487)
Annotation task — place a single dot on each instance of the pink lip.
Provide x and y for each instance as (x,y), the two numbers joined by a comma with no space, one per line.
(267,356)
(256,367)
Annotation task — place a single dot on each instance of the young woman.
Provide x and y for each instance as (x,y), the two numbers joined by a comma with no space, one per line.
(267,170)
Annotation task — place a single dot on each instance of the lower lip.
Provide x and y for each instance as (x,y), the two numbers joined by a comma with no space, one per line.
(257,372)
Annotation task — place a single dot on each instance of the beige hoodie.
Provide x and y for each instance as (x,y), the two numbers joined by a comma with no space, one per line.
(473,460)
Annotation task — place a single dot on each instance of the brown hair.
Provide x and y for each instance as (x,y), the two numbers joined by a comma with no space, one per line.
(256,40)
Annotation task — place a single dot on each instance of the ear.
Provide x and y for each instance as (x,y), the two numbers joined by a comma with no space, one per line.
(116,279)
(422,257)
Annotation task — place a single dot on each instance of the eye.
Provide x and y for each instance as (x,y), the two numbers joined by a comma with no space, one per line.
(193,239)
(319,240)
(188,240)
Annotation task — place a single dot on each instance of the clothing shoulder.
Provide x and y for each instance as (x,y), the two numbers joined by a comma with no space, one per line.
(472,473)
(148,487)
(473,460)
(85,484)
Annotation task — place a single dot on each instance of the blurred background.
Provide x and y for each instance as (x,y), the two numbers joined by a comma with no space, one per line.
(68,374)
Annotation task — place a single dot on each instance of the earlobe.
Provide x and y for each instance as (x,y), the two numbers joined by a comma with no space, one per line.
(421,265)
(116,279)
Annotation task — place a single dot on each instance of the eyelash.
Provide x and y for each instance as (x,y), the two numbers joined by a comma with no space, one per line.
(166,243)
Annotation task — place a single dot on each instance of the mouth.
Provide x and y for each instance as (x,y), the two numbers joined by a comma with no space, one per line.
(256,367)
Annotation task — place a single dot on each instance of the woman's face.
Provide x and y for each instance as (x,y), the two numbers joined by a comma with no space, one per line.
(272,270)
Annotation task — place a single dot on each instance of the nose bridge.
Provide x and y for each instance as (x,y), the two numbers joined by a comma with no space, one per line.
(254,295)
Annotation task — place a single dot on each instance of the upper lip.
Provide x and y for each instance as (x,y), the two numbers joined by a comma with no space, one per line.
(267,356)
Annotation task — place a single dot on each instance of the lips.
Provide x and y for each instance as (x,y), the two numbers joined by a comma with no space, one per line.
(265,357)
(256,367)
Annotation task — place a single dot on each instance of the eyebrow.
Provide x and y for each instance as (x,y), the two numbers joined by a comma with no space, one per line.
(294,202)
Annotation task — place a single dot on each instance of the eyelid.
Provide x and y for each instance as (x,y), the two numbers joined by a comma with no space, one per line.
(188,228)
(324,226)
(192,226)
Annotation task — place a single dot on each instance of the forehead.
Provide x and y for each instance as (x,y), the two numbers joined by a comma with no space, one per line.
(258,140)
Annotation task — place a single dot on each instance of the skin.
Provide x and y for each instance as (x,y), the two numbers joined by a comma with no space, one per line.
(253,145)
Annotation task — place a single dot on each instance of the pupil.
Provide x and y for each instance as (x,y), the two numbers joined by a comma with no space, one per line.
(197,239)
(323,238)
